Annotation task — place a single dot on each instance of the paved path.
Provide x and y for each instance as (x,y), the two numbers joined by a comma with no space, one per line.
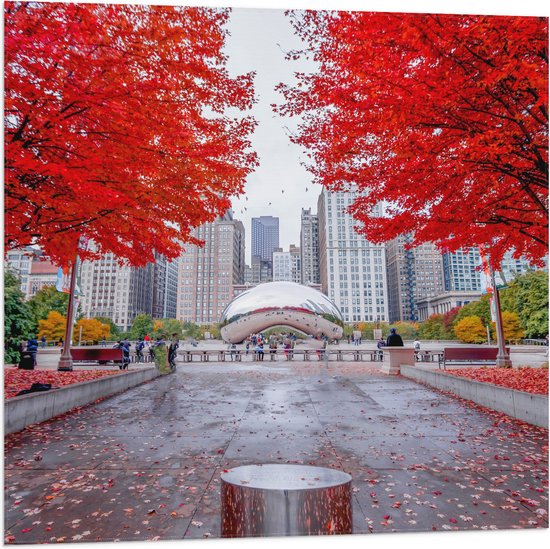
(146,464)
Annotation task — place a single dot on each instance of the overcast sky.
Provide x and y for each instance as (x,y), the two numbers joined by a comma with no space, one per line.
(280,186)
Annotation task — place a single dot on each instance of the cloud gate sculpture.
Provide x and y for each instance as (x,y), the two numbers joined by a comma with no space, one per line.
(281,304)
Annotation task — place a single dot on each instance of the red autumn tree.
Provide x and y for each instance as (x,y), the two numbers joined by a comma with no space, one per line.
(117,127)
(443,116)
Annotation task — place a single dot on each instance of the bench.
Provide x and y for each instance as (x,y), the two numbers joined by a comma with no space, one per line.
(101,356)
(469,355)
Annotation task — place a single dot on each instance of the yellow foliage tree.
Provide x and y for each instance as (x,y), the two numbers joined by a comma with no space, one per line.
(53,327)
(470,329)
(511,326)
(158,328)
(92,330)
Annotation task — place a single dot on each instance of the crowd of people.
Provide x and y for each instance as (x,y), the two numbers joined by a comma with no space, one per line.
(257,343)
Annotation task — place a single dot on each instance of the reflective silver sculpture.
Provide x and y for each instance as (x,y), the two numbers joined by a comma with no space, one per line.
(281,304)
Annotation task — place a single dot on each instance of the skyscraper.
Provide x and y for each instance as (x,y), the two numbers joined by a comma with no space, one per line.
(122,292)
(460,270)
(265,237)
(207,273)
(413,274)
(295,264)
(309,247)
(352,269)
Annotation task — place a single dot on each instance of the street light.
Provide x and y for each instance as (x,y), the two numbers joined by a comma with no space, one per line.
(503,358)
(66,360)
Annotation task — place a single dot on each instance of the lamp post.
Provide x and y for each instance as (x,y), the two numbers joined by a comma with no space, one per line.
(66,360)
(503,358)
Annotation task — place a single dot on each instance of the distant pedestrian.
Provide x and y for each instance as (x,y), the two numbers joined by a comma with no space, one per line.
(125,346)
(43,341)
(394,339)
(416,344)
(32,348)
(104,341)
(146,339)
(139,350)
(247,347)
(173,351)
(380,345)
(60,343)
(232,351)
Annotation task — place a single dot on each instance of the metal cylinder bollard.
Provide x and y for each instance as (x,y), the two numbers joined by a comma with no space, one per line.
(285,500)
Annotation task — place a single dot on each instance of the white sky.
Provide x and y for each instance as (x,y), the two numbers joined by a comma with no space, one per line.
(258,42)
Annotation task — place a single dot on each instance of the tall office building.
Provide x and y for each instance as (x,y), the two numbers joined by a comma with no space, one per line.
(352,269)
(286,265)
(461,271)
(120,293)
(116,292)
(413,274)
(265,237)
(510,267)
(207,273)
(261,270)
(281,266)
(309,247)
(295,264)
(165,287)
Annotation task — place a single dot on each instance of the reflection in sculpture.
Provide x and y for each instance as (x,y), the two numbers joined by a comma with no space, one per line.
(281,304)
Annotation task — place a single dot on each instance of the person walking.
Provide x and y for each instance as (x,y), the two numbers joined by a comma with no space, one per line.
(394,339)
(43,340)
(139,350)
(173,351)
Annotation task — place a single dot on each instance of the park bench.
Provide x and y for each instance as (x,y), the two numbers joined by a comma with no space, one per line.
(469,355)
(101,356)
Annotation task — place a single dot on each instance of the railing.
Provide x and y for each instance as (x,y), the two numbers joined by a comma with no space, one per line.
(356,355)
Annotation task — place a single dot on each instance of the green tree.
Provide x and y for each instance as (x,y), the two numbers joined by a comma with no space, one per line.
(433,328)
(527,295)
(46,300)
(114,330)
(480,308)
(511,326)
(190,329)
(367,329)
(173,326)
(407,330)
(470,329)
(167,327)
(142,325)
(17,317)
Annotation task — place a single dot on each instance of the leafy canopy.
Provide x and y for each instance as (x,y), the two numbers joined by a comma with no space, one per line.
(17,317)
(116,127)
(52,327)
(470,329)
(443,116)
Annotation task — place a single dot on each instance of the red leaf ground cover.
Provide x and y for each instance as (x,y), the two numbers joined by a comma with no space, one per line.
(17,380)
(530,380)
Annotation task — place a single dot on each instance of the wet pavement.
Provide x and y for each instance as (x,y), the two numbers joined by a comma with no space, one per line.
(146,464)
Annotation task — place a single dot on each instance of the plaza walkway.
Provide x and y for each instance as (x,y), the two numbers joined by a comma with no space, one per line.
(146,464)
